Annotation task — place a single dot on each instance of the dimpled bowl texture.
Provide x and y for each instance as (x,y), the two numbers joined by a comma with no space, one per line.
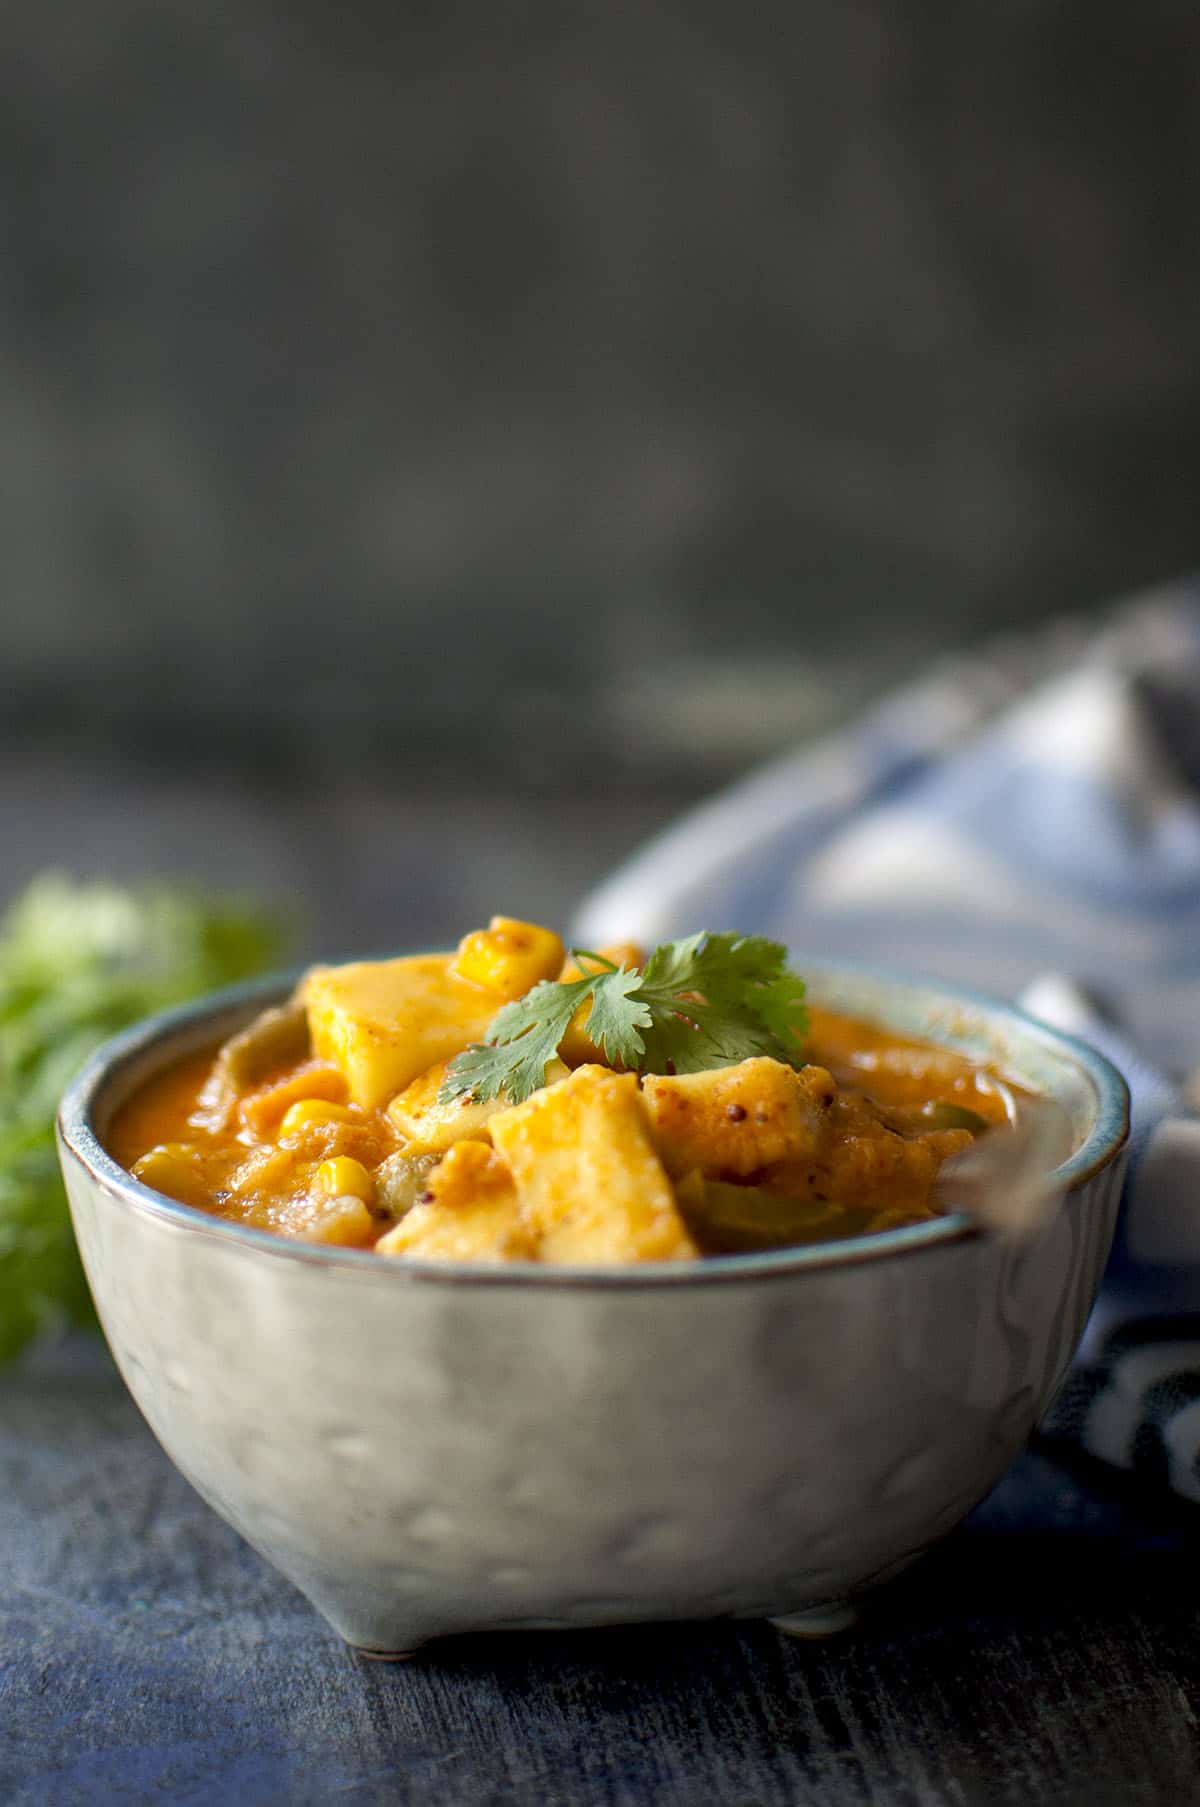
(426,1449)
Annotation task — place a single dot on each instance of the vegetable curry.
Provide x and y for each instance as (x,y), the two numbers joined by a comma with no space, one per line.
(508,1102)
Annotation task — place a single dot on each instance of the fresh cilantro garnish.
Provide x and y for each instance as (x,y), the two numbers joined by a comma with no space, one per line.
(706,1001)
(77,963)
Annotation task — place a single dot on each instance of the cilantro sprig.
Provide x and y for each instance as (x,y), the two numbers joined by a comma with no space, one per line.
(78,961)
(708,1000)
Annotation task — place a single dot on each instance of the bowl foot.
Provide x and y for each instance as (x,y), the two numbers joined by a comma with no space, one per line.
(817,1622)
(382,1656)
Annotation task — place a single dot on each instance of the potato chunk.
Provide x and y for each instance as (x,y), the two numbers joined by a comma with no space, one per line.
(343,1222)
(508,957)
(382,1022)
(430,1127)
(886,1169)
(590,1184)
(738,1119)
(468,1212)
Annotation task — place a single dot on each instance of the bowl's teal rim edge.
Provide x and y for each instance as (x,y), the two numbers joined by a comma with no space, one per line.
(78,1139)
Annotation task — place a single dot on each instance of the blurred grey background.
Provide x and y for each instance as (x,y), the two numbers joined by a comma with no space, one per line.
(438,441)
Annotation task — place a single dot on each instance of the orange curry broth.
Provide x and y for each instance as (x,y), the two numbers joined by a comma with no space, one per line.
(252,1173)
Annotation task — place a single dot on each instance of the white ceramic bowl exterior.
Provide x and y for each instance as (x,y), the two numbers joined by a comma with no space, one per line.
(425,1450)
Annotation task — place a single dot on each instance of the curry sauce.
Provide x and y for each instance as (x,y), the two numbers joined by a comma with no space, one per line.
(329,1121)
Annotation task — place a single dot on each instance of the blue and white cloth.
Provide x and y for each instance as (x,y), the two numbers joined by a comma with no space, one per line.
(1027,821)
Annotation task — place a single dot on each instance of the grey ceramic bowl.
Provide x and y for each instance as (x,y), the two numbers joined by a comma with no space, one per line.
(427,1449)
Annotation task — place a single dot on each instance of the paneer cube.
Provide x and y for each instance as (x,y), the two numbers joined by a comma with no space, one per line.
(738,1119)
(382,1022)
(508,957)
(430,1127)
(590,1184)
(469,1211)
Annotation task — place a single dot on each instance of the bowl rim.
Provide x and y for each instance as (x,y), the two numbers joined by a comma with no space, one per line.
(78,1139)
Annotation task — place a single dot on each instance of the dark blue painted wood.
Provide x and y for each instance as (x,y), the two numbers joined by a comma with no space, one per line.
(1049,1652)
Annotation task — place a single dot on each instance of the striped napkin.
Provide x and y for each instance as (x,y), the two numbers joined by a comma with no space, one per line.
(1028,821)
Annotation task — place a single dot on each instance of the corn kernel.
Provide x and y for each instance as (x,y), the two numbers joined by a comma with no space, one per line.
(176,1151)
(313,1110)
(262,1110)
(173,1168)
(508,957)
(345,1177)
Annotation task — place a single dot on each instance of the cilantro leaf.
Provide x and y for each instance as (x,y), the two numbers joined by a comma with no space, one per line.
(781,1007)
(77,963)
(707,1000)
(619,1012)
(522,1040)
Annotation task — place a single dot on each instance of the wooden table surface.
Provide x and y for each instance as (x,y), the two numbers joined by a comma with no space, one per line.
(1048,1653)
